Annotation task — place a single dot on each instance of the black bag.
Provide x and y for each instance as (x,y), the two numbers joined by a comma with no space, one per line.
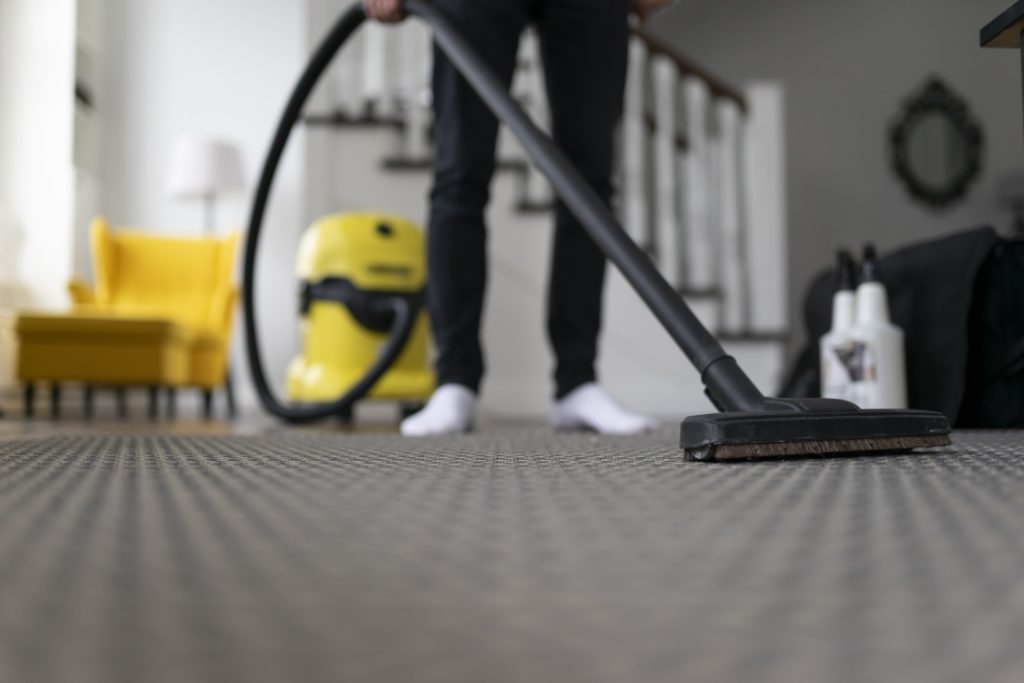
(994,394)
(960,303)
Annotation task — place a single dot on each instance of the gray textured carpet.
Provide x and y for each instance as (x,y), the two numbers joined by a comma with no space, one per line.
(505,556)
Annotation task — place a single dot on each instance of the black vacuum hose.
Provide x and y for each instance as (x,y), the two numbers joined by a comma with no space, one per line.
(727,385)
(404,311)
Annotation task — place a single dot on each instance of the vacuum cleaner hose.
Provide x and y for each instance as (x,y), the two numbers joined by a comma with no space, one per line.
(405,312)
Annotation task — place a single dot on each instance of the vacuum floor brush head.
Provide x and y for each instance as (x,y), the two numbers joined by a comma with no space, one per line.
(761,435)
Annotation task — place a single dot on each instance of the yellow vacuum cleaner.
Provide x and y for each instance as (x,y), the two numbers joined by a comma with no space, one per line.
(350,265)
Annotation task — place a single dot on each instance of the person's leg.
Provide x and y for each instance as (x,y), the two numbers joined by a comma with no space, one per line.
(465,136)
(584,46)
(585,50)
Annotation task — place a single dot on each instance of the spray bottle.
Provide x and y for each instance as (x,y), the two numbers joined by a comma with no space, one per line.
(876,356)
(836,381)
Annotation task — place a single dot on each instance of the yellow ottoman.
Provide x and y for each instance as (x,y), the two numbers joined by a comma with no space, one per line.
(101,350)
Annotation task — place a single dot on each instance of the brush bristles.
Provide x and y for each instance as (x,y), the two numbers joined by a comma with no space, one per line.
(780,449)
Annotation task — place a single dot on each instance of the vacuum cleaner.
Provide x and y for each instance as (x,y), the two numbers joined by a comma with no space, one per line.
(748,426)
(349,266)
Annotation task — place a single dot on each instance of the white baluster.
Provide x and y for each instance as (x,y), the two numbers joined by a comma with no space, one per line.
(698,191)
(666,202)
(349,94)
(734,268)
(634,147)
(764,157)
(340,91)
(415,59)
(709,241)
(375,68)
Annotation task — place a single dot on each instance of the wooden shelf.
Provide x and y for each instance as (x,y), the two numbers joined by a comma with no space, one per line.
(1005,30)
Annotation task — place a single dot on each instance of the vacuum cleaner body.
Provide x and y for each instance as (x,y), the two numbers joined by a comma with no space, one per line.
(349,265)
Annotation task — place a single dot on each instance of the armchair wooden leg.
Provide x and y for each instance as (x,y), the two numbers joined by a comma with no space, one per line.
(30,400)
(122,402)
(90,392)
(207,404)
(55,401)
(172,402)
(229,393)
(154,402)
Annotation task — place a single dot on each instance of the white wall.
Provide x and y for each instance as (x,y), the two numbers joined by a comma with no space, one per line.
(847,68)
(221,69)
(36,174)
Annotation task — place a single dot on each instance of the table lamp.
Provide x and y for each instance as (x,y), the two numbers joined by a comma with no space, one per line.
(205,170)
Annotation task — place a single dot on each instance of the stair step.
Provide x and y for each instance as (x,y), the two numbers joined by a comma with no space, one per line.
(404,164)
(341,119)
(526,206)
(754,337)
(713,293)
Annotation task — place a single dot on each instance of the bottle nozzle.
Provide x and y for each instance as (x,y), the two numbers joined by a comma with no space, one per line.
(846,271)
(869,268)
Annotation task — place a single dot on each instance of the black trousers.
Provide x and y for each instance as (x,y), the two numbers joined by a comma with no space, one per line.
(584,47)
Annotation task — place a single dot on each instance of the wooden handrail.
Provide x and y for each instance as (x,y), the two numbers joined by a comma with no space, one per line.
(718,87)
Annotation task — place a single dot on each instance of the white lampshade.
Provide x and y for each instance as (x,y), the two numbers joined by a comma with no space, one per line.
(204,169)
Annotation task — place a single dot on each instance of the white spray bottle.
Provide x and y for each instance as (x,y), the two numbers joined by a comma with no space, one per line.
(836,381)
(877,360)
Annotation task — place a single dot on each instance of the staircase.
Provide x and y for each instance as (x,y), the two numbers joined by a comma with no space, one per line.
(701,188)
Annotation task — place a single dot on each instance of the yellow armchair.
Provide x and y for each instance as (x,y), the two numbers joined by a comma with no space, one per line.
(159,315)
(185,280)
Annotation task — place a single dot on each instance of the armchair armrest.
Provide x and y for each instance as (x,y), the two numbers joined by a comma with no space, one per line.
(223,309)
(81,293)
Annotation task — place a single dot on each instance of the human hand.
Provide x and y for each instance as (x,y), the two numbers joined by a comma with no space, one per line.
(645,9)
(387,11)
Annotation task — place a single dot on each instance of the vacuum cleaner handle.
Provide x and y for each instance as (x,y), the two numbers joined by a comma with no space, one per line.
(727,385)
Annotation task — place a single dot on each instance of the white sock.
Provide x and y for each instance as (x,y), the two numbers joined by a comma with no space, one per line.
(590,407)
(451,410)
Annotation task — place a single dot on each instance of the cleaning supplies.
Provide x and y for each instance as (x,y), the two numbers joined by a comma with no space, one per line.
(836,380)
(875,355)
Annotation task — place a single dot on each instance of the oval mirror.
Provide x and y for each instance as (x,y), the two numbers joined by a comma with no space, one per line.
(936,146)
